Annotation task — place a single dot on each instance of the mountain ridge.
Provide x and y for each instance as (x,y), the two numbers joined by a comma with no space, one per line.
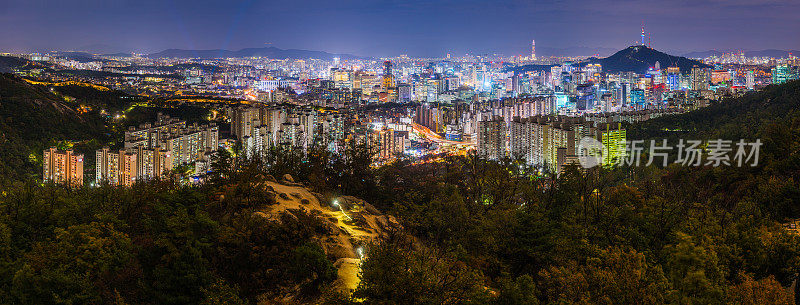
(270,52)
(639,58)
(753,53)
(631,59)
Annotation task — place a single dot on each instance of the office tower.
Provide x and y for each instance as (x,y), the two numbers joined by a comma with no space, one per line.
(700,78)
(492,138)
(673,81)
(533,49)
(782,74)
(637,97)
(62,167)
(388,77)
(606,102)
(750,80)
(342,79)
(404,93)
(586,96)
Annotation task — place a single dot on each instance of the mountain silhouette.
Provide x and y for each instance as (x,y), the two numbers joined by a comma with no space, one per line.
(269,52)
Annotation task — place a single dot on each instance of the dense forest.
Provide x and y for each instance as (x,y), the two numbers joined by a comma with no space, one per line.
(474,231)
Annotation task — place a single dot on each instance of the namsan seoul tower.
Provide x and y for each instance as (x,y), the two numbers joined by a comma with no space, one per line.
(642,33)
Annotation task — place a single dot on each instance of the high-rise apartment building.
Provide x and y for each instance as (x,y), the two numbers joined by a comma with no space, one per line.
(492,138)
(117,168)
(613,137)
(154,149)
(62,167)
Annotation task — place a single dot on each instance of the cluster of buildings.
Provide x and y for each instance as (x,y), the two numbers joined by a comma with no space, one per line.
(154,149)
(149,151)
(261,127)
(527,107)
(548,142)
(62,167)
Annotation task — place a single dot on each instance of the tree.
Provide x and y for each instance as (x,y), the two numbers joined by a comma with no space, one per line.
(766,291)
(396,272)
(614,276)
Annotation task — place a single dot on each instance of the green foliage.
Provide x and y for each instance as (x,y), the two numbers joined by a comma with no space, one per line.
(614,276)
(396,273)
(308,261)
(156,242)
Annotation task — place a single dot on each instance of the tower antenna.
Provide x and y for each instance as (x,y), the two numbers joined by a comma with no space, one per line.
(642,32)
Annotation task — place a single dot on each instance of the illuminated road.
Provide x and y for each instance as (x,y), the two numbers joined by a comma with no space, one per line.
(433,137)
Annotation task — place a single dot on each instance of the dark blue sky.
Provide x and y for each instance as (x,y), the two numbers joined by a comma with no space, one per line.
(379,28)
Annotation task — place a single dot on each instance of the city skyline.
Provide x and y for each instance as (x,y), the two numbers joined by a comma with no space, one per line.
(386,28)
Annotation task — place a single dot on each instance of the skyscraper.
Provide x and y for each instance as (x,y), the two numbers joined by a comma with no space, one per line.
(750,80)
(533,49)
(388,78)
(782,74)
(700,78)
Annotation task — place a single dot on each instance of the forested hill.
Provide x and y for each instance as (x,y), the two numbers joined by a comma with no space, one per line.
(744,117)
(32,117)
(639,58)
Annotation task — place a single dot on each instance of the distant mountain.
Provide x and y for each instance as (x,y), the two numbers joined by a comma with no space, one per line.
(123,54)
(632,59)
(104,49)
(762,53)
(270,52)
(703,54)
(75,55)
(639,58)
(772,53)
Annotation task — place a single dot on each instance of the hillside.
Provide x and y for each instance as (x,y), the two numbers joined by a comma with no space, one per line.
(639,58)
(632,59)
(743,117)
(9,63)
(270,52)
(348,230)
(34,118)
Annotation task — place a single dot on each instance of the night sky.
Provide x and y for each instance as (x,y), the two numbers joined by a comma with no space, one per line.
(386,28)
